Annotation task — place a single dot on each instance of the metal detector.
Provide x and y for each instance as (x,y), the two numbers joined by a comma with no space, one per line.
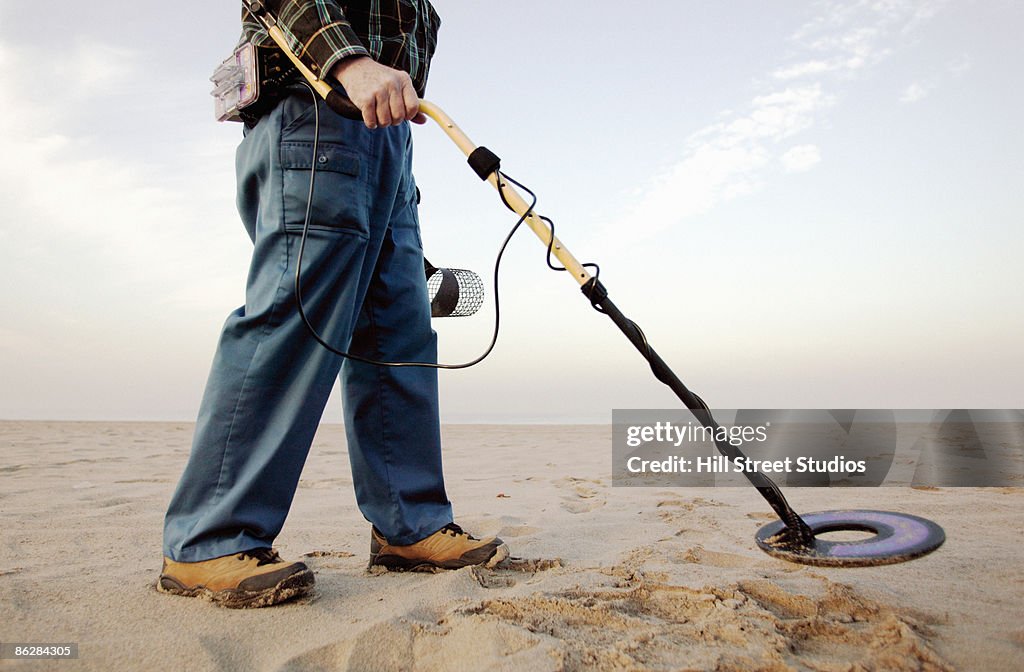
(896,537)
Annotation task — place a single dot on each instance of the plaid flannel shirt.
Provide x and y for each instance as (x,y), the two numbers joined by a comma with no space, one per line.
(401,34)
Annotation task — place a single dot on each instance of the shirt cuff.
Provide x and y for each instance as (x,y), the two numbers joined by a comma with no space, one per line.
(329,45)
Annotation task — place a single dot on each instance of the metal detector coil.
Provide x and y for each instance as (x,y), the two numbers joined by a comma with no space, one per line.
(898,537)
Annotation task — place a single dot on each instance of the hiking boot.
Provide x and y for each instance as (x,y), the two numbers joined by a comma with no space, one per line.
(448,548)
(256,578)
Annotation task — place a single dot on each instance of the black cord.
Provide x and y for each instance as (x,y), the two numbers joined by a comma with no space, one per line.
(302,247)
(546,220)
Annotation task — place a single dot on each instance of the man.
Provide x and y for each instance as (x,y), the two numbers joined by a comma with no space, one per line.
(364,290)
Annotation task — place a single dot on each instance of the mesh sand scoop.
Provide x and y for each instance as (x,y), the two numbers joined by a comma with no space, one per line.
(453,292)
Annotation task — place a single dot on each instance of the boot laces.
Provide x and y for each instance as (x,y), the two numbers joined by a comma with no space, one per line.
(455,531)
(263,556)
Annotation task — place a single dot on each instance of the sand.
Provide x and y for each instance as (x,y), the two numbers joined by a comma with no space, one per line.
(611,578)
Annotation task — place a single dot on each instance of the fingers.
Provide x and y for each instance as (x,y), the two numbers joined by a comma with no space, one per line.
(384,107)
(393,102)
(397,102)
(411,101)
(369,109)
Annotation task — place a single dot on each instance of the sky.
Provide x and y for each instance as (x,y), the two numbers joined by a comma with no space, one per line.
(803,204)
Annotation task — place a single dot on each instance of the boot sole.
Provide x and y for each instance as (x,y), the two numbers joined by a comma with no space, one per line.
(292,586)
(396,563)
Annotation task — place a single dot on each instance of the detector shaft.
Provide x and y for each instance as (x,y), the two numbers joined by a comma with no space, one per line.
(511,196)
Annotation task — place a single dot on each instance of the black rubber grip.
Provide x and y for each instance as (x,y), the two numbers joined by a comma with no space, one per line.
(595,291)
(343,106)
(483,162)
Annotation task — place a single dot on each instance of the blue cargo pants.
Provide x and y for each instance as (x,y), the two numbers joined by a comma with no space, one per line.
(364,290)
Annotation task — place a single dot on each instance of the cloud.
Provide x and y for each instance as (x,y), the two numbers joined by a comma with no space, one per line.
(712,173)
(731,157)
(805,69)
(774,116)
(723,159)
(915,92)
(920,90)
(846,36)
(119,242)
(800,158)
(87,211)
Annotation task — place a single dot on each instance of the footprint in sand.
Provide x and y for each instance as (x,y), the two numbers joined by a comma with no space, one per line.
(649,624)
(699,555)
(322,559)
(513,531)
(456,641)
(504,574)
(325,483)
(582,495)
(328,554)
(690,510)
